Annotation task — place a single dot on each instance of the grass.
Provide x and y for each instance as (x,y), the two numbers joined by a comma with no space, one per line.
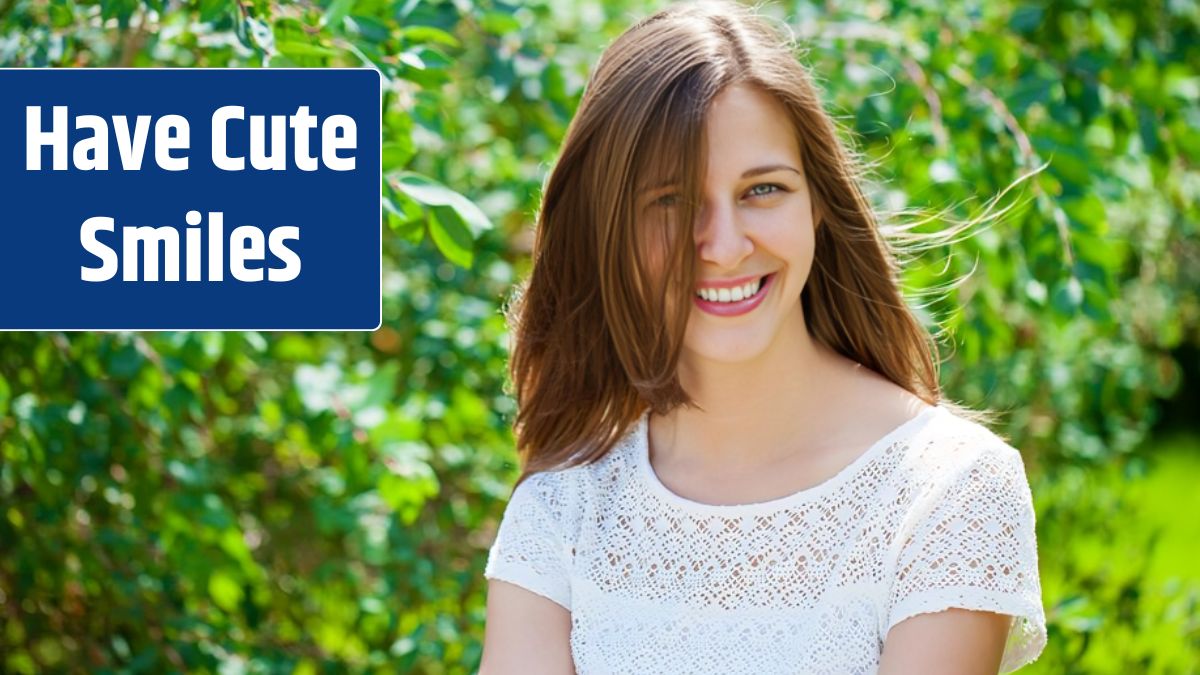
(1170,499)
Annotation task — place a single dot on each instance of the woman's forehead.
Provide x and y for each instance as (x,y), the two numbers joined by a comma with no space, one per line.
(748,124)
(746,133)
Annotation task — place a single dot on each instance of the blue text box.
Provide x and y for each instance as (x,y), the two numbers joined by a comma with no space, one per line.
(315,220)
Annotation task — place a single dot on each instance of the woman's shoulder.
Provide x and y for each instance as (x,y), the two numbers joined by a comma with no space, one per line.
(579,480)
(953,444)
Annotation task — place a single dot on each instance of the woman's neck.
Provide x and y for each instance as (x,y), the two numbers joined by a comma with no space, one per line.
(749,413)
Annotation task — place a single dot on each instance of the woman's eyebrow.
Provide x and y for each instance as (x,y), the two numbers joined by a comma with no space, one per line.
(759,170)
(645,192)
(749,173)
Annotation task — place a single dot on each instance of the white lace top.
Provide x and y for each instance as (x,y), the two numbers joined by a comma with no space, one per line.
(936,514)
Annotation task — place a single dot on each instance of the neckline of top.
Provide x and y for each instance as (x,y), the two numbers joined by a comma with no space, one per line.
(641,447)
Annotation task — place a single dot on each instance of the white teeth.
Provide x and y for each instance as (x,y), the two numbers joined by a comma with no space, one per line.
(730,294)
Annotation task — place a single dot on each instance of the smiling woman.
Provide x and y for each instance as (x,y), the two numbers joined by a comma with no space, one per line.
(736,455)
(754,230)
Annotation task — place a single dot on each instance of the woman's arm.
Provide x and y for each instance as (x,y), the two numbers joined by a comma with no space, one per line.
(951,642)
(525,633)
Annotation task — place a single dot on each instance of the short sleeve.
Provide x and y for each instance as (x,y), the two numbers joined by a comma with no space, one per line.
(972,545)
(529,549)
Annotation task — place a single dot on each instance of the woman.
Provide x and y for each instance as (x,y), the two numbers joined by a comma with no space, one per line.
(736,457)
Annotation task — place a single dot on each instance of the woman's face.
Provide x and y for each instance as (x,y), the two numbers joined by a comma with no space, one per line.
(754,234)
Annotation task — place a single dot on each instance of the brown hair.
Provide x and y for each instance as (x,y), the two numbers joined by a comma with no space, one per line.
(597,331)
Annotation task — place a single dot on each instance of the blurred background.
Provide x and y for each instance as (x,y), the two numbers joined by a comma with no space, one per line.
(324,502)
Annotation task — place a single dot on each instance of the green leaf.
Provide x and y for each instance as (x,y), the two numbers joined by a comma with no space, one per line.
(403,214)
(61,14)
(1087,211)
(369,28)
(1026,18)
(337,10)
(213,10)
(428,34)
(303,49)
(431,193)
(224,590)
(125,362)
(451,235)
(120,9)
(499,23)
(1067,296)
(412,60)
(397,153)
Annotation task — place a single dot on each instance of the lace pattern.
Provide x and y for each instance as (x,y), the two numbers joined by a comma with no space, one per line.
(936,514)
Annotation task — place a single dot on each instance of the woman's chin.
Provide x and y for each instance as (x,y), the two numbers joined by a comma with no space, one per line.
(725,351)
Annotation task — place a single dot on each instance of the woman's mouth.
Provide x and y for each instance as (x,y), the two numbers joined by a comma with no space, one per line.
(736,300)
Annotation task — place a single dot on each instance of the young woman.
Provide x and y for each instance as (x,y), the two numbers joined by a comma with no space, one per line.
(736,456)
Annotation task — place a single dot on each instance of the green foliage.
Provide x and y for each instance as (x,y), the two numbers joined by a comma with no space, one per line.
(1122,576)
(1079,292)
(310,501)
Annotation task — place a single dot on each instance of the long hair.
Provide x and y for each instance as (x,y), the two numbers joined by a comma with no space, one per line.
(597,328)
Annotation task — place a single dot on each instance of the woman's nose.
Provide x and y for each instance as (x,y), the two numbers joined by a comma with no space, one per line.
(720,237)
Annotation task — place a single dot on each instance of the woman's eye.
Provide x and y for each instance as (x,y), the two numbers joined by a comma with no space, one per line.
(666,200)
(764,189)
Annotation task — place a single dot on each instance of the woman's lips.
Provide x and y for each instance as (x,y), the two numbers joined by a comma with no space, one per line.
(738,307)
